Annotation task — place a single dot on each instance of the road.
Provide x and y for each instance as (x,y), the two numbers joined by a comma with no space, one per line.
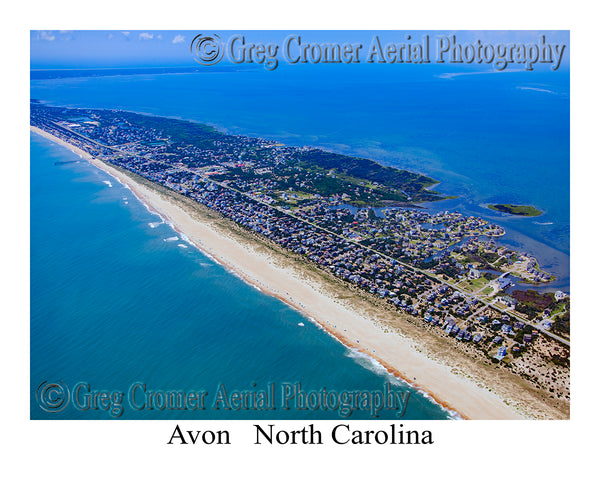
(412,268)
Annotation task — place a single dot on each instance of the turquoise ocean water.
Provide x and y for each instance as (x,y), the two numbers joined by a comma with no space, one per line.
(117,301)
(113,303)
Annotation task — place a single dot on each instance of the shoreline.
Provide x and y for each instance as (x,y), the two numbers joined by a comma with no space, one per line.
(435,205)
(357,329)
(552,258)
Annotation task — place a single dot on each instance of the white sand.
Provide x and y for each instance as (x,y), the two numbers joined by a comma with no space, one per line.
(398,354)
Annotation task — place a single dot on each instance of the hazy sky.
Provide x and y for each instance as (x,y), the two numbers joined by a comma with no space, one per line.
(94,49)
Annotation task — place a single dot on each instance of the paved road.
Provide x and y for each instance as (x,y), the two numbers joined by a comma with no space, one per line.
(411,267)
(286,212)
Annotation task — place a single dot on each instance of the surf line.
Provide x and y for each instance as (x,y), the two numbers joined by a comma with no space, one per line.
(130,183)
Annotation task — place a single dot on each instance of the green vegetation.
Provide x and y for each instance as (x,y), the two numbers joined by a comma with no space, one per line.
(357,191)
(521,210)
(562,325)
(378,185)
(408,183)
(197,134)
(532,303)
(474,284)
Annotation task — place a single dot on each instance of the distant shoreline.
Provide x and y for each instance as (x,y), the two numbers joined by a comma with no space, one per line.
(355,323)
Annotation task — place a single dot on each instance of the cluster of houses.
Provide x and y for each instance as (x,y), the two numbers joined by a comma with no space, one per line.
(390,242)
(406,234)
(536,275)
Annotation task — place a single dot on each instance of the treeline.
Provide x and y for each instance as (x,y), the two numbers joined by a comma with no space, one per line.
(196,134)
(409,182)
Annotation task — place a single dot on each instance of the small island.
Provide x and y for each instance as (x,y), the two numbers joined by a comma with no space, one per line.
(522,210)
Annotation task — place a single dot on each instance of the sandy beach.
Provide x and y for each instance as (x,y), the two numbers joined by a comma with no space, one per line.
(455,380)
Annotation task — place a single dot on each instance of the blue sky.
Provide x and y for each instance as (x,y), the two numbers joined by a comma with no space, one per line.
(153,48)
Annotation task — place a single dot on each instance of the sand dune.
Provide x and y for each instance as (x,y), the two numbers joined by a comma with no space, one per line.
(354,321)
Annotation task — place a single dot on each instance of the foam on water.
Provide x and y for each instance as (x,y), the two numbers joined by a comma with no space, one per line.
(373,365)
(288,353)
(185,238)
(376,367)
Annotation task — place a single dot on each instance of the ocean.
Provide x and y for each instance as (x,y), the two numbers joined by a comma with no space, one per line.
(119,300)
(494,137)
(111,287)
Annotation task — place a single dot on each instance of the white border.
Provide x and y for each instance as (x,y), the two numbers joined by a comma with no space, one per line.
(94,449)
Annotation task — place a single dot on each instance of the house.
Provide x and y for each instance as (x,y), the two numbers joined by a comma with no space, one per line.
(474,273)
(450,321)
(506,328)
(501,353)
(558,295)
(546,324)
(509,301)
